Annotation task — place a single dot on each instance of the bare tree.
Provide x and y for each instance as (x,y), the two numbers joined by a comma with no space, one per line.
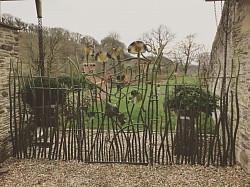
(54,47)
(115,48)
(186,52)
(89,40)
(8,19)
(57,47)
(76,37)
(89,46)
(111,42)
(203,58)
(158,38)
(177,58)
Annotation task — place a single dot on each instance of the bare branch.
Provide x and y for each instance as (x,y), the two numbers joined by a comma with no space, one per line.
(158,38)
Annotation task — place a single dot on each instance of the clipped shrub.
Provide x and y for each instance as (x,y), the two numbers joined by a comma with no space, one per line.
(43,91)
(71,82)
(191,100)
(40,91)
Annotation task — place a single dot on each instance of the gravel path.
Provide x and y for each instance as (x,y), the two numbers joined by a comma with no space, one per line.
(61,173)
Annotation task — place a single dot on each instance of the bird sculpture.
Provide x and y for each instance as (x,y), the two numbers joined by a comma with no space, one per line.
(116,54)
(137,47)
(102,57)
(121,81)
(88,51)
(135,97)
(111,109)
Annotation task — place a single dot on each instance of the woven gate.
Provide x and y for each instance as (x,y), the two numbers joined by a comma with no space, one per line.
(124,115)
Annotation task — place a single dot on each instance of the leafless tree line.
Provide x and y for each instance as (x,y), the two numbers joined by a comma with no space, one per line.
(60,43)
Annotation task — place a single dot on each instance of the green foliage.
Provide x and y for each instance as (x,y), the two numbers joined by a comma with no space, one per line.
(40,91)
(43,91)
(72,82)
(191,100)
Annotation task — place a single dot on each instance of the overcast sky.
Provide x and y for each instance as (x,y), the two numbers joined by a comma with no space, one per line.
(129,18)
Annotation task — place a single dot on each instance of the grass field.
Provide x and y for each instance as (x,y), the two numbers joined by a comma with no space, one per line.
(148,110)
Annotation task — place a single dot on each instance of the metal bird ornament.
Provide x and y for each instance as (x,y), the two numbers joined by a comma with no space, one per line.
(116,54)
(135,96)
(137,47)
(121,81)
(102,57)
(112,109)
(88,51)
(107,78)
(121,118)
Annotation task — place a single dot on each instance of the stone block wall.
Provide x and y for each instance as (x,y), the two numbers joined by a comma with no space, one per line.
(8,53)
(237,56)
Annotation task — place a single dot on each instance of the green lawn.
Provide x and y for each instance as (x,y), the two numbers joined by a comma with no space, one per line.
(149,110)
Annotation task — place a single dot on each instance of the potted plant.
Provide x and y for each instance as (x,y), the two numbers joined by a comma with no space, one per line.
(42,94)
(188,102)
(191,101)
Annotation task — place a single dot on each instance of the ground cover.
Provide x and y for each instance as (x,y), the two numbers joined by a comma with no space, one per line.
(72,173)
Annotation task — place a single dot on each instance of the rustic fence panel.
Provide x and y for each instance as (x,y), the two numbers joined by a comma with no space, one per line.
(124,115)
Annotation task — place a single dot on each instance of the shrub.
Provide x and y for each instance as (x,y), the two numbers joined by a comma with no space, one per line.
(71,81)
(50,90)
(43,91)
(191,100)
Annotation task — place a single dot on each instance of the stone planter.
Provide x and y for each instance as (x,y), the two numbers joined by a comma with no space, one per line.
(185,141)
(46,117)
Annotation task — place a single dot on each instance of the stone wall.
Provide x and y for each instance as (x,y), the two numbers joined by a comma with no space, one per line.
(8,53)
(236,28)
